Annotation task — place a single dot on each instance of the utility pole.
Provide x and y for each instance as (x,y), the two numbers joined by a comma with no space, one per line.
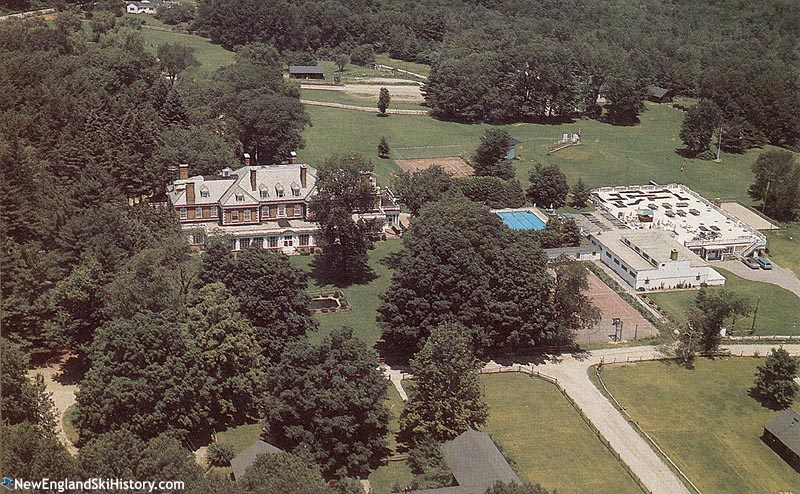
(753,326)
(766,192)
(719,142)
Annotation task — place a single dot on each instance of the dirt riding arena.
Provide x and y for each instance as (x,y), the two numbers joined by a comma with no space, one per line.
(612,305)
(453,166)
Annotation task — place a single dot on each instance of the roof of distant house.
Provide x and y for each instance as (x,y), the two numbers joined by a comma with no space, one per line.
(306,69)
(243,460)
(786,427)
(657,92)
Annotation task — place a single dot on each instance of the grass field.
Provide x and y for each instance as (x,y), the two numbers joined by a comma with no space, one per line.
(784,246)
(364,299)
(778,309)
(609,155)
(416,68)
(548,441)
(210,56)
(356,100)
(706,422)
(394,474)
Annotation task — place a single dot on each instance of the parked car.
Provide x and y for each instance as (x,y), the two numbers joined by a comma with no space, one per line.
(751,263)
(763,263)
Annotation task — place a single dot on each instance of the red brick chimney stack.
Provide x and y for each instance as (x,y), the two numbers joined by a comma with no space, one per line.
(190,193)
(303,176)
(246,159)
(183,171)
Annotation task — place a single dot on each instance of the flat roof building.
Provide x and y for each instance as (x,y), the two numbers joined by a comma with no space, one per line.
(653,259)
(704,228)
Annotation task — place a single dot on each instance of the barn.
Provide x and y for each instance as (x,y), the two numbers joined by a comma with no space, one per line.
(782,434)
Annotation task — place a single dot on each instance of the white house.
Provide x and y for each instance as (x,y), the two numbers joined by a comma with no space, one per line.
(653,260)
(141,7)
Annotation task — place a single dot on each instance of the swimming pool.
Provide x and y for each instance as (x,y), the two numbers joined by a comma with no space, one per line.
(521,220)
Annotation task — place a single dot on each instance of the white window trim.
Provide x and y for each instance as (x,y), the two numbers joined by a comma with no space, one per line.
(184,213)
(246,215)
(281,210)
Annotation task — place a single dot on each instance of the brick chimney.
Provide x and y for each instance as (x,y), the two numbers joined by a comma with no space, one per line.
(303,176)
(246,159)
(183,171)
(292,157)
(252,179)
(190,193)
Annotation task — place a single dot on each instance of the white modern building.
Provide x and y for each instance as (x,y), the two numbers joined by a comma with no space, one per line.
(653,259)
(704,228)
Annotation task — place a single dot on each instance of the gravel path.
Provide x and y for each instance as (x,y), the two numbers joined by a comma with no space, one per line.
(782,277)
(389,111)
(63,396)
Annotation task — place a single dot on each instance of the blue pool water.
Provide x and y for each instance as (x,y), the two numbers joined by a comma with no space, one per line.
(521,220)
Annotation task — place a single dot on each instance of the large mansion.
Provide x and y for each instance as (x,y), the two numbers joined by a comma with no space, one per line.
(261,206)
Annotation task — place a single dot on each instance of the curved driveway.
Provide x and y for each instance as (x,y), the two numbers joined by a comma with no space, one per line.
(572,373)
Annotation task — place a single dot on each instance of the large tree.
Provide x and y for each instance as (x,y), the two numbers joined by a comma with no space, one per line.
(175,58)
(548,186)
(573,310)
(270,291)
(30,453)
(343,188)
(383,101)
(698,126)
(327,401)
(777,184)
(420,187)
(580,194)
(24,400)
(711,310)
(449,270)
(490,156)
(284,473)
(774,385)
(492,191)
(447,397)
(625,94)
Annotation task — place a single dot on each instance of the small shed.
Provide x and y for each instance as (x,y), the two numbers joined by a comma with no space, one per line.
(659,94)
(782,434)
(241,462)
(306,72)
(512,149)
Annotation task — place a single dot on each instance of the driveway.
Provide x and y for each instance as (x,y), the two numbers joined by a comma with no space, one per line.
(63,396)
(782,277)
(572,374)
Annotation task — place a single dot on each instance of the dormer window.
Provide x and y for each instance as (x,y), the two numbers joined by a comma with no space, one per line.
(204,191)
(263,191)
(279,189)
(295,190)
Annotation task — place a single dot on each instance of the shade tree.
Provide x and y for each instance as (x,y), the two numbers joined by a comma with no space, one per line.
(774,385)
(548,186)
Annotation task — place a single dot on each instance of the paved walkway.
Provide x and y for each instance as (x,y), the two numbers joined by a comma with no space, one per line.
(572,373)
(782,277)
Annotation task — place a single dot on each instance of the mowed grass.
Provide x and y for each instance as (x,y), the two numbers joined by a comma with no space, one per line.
(210,56)
(355,99)
(784,246)
(364,299)
(778,309)
(389,477)
(547,440)
(706,422)
(417,68)
(609,155)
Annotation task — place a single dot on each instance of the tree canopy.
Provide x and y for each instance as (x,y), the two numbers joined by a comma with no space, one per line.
(777,184)
(548,186)
(326,401)
(711,309)
(774,385)
(490,156)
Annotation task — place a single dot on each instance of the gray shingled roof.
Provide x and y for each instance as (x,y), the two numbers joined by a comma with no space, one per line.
(657,92)
(475,460)
(786,427)
(243,460)
(306,69)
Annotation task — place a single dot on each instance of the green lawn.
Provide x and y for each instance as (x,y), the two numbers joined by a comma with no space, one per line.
(609,155)
(210,56)
(778,309)
(356,100)
(386,478)
(241,437)
(784,246)
(706,422)
(414,67)
(548,441)
(364,299)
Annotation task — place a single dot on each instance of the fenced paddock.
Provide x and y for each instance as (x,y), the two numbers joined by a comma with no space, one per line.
(437,151)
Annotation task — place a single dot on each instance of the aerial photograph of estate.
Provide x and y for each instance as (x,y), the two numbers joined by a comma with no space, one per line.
(400,246)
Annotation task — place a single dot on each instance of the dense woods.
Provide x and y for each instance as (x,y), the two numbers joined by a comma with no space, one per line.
(512,60)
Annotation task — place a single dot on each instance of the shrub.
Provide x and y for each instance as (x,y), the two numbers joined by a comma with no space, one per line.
(220,455)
